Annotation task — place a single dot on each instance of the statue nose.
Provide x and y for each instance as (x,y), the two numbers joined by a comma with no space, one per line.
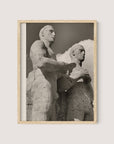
(54,33)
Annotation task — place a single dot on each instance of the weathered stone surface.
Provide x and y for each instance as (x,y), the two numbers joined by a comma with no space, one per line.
(61,106)
(29,104)
(79,101)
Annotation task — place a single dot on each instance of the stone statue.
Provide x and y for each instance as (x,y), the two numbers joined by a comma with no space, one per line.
(80,95)
(42,81)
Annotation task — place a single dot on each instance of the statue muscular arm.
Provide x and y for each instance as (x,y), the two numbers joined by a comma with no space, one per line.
(39,59)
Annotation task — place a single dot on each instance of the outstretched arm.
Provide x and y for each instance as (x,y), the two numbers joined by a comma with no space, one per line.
(40,60)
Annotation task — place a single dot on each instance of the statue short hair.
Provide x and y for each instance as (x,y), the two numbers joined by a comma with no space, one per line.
(75,46)
(42,31)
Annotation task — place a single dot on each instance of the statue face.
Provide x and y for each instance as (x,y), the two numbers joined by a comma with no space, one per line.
(79,53)
(49,34)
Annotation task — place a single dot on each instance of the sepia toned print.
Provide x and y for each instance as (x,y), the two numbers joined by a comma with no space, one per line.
(60,72)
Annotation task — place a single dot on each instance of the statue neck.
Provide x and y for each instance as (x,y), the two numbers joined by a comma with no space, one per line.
(49,49)
(47,43)
(77,62)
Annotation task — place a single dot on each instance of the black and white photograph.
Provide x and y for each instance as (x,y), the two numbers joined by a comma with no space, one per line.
(57,71)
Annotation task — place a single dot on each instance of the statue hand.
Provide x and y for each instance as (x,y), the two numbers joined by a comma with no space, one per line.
(85,75)
(79,73)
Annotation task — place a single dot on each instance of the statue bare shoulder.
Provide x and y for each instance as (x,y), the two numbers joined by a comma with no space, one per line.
(37,49)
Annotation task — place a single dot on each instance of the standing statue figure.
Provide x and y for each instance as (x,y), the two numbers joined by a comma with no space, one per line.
(42,81)
(80,96)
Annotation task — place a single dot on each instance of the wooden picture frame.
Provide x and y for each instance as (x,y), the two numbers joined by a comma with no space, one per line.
(27,33)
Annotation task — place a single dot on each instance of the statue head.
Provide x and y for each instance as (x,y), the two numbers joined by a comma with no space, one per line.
(77,53)
(47,33)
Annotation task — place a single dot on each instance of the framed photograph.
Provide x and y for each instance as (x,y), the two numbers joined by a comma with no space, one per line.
(57,71)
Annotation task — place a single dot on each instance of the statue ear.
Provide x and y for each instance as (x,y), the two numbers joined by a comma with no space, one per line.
(42,34)
(73,54)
